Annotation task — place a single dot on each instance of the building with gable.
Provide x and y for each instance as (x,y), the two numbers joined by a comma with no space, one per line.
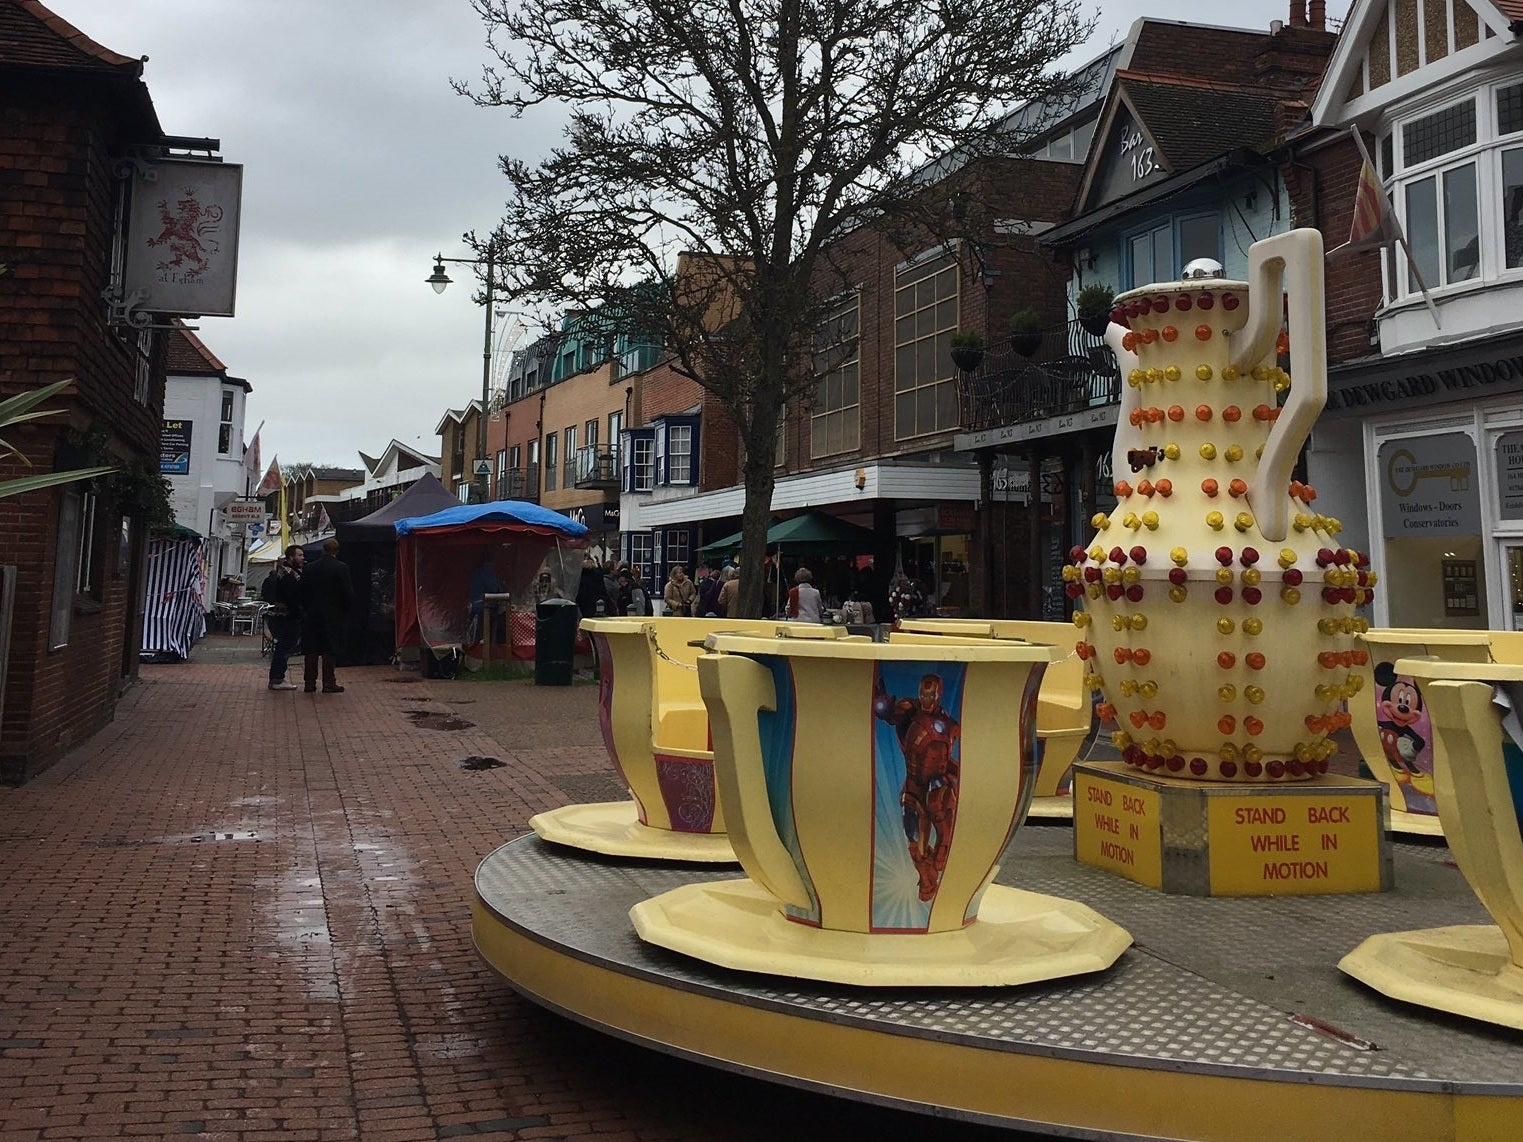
(1420,451)
(72,558)
(203,455)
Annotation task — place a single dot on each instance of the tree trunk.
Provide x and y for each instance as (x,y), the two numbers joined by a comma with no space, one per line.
(755,520)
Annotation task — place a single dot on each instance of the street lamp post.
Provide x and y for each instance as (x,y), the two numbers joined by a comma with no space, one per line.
(439,280)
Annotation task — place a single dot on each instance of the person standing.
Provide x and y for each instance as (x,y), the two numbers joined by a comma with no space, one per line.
(284,619)
(804,603)
(590,590)
(708,592)
(680,595)
(729,594)
(326,596)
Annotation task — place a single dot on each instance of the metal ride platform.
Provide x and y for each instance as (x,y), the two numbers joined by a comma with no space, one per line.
(1227,1019)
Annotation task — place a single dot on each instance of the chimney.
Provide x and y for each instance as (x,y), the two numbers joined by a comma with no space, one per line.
(1298,13)
(1319,15)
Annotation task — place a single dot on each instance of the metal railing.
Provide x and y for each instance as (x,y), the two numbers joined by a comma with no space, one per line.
(1073,370)
(594,466)
(519,484)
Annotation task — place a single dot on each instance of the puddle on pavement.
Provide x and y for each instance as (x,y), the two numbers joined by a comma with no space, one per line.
(438,720)
(476,764)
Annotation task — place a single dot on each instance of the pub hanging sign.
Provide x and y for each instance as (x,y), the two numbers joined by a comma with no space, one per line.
(182,237)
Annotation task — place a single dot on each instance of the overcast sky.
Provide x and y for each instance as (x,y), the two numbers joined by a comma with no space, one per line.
(360,164)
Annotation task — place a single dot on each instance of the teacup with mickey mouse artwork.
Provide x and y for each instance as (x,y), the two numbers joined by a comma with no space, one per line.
(1406,735)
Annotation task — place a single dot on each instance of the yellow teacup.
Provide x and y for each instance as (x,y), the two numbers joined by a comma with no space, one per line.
(872,787)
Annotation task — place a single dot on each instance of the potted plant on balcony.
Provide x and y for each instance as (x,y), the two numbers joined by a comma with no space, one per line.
(1025,331)
(967,349)
(1094,304)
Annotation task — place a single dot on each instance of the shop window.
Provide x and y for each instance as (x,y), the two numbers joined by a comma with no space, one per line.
(834,421)
(78,561)
(679,548)
(925,316)
(640,550)
(1431,526)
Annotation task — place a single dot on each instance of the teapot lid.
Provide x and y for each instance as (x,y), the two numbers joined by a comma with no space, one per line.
(1202,273)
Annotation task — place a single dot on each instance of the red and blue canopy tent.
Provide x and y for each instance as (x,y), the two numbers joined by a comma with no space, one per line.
(438,554)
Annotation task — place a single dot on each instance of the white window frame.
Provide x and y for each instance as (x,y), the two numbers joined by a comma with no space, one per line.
(679,460)
(643,474)
(1485,153)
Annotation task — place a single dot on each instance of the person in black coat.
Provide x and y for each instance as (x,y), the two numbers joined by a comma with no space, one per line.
(589,591)
(327,594)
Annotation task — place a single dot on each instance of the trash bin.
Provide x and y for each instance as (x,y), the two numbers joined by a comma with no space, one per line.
(555,641)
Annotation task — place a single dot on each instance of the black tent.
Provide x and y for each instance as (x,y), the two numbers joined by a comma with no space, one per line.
(369,546)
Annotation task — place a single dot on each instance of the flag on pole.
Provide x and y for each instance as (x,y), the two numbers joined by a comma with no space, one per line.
(273,481)
(252,463)
(1374,222)
(1375,225)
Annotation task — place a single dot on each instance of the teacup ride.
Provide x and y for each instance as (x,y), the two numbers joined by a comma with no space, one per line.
(656,731)
(870,790)
(1473,970)
(1065,719)
(1390,719)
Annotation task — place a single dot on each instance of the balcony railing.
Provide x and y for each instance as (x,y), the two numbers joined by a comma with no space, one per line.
(595,466)
(519,484)
(1072,371)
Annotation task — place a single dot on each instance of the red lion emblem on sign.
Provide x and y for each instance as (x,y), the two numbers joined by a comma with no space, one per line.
(188,232)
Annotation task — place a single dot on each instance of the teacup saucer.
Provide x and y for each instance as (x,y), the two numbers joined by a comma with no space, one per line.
(1056,808)
(1019,937)
(1465,970)
(1414,824)
(613,828)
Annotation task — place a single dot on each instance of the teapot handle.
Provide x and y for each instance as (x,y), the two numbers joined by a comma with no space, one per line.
(1298,255)
(1131,397)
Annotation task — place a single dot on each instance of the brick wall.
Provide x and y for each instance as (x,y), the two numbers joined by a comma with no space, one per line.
(1322,184)
(57,200)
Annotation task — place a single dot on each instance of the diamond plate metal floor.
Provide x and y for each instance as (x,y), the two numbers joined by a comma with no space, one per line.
(1213,988)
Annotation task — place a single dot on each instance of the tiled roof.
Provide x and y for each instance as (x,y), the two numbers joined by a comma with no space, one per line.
(32,36)
(337,474)
(1193,123)
(187,354)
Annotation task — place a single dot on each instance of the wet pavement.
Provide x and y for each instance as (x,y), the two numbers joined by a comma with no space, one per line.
(245,914)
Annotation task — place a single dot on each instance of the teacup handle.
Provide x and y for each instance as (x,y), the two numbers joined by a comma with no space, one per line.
(1297,253)
(736,689)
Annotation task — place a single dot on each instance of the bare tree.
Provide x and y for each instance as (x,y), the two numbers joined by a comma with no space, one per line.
(746,134)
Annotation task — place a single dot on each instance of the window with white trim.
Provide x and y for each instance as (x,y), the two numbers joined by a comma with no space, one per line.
(925,316)
(643,453)
(679,453)
(225,425)
(1455,177)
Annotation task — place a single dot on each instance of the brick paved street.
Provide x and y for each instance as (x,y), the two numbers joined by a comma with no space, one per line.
(243,914)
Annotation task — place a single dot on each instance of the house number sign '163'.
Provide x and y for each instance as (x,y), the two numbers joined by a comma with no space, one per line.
(1140,156)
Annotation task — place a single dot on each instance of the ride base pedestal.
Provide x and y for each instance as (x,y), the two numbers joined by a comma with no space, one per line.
(1201,838)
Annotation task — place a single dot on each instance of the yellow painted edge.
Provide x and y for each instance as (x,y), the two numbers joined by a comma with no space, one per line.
(1019,1088)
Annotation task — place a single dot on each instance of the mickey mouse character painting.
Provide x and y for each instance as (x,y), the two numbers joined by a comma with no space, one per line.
(1406,735)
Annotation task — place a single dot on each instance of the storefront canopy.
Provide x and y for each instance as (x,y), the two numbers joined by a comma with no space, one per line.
(813,533)
(499,515)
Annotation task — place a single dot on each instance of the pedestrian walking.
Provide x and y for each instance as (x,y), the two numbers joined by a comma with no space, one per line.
(283,591)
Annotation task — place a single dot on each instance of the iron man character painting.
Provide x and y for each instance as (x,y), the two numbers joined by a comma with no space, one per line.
(929,736)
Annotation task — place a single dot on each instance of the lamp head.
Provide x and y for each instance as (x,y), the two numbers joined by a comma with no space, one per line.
(438,279)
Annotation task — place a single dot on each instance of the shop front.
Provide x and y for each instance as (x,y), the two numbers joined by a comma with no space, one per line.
(1421,457)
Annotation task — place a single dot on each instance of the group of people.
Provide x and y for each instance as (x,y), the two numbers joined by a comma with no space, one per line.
(309,607)
(619,589)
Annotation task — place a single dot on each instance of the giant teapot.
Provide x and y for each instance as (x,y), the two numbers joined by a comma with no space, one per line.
(1218,614)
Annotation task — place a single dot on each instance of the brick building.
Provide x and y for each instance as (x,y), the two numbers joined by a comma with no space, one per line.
(72,557)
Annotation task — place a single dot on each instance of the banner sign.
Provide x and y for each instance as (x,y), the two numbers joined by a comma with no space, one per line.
(182,237)
(244,511)
(174,448)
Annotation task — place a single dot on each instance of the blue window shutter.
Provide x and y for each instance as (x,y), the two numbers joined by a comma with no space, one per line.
(692,475)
